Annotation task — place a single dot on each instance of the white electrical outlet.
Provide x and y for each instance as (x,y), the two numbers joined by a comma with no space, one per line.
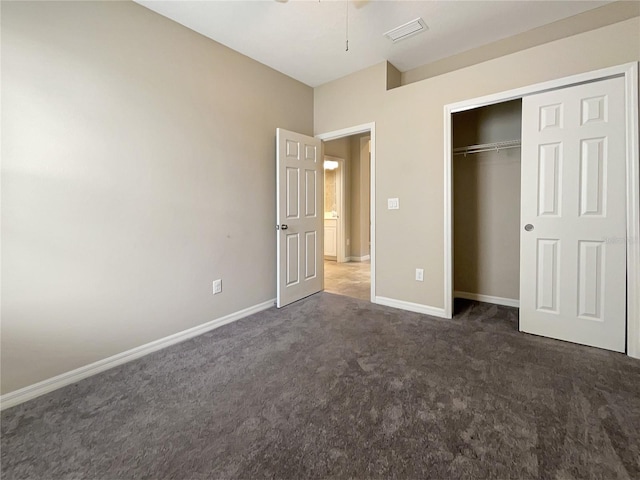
(420,274)
(393,203)
(217,286)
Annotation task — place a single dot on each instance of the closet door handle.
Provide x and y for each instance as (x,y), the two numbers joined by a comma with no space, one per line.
(528,227)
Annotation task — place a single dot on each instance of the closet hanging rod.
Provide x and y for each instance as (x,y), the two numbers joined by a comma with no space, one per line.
(486,147)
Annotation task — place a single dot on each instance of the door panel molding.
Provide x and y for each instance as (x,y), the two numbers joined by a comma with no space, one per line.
(299,187)
(591,112)
(579,280)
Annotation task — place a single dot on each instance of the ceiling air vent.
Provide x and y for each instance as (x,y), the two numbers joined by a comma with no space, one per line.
(407,30)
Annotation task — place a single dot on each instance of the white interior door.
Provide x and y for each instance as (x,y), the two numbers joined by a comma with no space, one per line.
(573,242)
(300,215)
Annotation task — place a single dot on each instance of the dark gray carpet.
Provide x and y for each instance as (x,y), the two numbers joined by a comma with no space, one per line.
(337,387)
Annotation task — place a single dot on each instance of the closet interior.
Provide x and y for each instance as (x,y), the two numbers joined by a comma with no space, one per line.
(486,203)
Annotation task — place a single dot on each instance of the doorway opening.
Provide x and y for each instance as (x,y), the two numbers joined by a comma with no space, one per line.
(348,214)
(486,203)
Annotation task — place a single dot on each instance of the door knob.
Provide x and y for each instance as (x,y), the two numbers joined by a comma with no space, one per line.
(528,227)
(284,226)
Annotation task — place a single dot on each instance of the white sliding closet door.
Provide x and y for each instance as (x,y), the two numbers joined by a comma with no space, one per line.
(573,242)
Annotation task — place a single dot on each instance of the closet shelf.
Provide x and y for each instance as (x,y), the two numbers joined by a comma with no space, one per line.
(486,147)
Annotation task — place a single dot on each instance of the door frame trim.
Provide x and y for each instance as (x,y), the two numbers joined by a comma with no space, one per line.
(347,132)
(630,73)
(341,256)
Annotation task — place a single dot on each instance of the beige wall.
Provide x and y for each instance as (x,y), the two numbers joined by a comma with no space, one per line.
(486,202)
(410,148)
(137,166)
(357,188)
(341,148)
(359,195)
(357,191)
(608,14)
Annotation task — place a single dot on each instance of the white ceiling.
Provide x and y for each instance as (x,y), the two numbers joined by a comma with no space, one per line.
(305,39)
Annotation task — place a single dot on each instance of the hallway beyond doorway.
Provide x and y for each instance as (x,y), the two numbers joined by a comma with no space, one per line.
(352,279)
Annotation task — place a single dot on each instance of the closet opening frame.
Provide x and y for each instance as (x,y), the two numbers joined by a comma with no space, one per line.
(629,72)
(341,189)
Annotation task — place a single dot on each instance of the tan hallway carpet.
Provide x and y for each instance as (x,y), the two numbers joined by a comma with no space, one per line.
(352,279)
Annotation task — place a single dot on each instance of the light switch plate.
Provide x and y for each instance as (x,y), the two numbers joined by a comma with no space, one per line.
(393,203)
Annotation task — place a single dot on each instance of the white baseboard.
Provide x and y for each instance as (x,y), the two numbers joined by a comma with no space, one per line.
(360,259)
(32,391)
(507,302)
(410,306)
